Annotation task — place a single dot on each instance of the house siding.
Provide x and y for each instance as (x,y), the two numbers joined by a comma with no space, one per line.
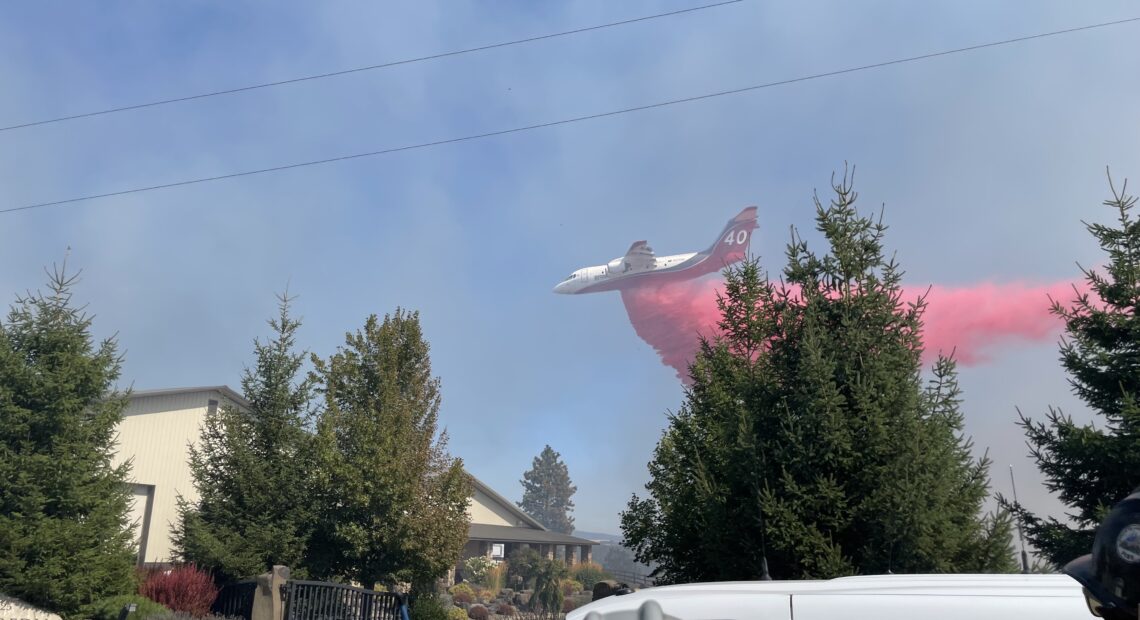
(154,435)
(484,509)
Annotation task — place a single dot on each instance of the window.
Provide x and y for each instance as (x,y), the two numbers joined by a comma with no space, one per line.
(497,550)
(211,407)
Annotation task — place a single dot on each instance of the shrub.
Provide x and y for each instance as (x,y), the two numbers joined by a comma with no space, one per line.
(496,577)
(588,574)
(181,615)
(522,566)
(476,568)
(428,607)
(478,612)
(547,591)
(569,605)
(506,609)
(570,586)
(109,608)
(462,587)
(183,588)
(456,613)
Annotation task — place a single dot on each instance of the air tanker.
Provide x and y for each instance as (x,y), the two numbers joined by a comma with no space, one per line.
(640,266)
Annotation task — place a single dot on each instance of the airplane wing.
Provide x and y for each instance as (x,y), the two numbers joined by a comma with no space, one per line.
(639,256)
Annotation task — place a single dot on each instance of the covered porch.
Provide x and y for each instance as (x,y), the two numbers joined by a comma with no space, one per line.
(498,542)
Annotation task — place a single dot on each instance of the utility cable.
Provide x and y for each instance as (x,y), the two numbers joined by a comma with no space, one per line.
(565,121)
(394,63)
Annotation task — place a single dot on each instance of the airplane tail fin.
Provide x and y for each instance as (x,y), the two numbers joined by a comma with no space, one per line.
(732,244)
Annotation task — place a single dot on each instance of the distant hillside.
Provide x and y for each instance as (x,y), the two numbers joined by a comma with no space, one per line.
(612,556)
(610,538)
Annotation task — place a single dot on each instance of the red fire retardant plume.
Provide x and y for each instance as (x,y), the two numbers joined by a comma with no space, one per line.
(975,322)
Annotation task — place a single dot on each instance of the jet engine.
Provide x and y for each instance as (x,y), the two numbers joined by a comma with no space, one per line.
(616,267)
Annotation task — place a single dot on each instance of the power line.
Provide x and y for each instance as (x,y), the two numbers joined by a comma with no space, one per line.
(567,121)
(368,68)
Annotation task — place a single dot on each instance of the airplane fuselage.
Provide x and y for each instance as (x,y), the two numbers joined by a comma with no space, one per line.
(616,273)
(639,266)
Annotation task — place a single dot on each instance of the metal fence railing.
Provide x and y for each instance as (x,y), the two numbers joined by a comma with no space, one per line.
(317,600)
(235,600)
(630,578)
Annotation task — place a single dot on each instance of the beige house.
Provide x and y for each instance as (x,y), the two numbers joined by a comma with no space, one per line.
(159,425)
(157,429)
(498,528)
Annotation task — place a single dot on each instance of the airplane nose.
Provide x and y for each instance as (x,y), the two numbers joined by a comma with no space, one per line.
(558,288)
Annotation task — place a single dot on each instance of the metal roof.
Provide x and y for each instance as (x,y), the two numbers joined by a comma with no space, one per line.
(225,390)
(506,533)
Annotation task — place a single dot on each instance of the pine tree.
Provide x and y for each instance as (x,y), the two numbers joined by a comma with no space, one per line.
(808,445)
(1090,467)
(250,469)
(547,491)
(392,501)
(64,536)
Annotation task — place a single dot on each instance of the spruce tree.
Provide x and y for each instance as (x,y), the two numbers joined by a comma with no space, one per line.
(547,490)
(64,536)
(1092,467)
(809,445)
(392,502)
(251,469)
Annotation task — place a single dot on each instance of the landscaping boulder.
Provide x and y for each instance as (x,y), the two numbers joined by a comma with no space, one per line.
(11,607)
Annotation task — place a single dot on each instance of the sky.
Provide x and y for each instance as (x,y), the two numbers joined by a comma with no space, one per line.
(985,164)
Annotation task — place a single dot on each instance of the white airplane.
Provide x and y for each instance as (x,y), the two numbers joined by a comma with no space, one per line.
(640,266)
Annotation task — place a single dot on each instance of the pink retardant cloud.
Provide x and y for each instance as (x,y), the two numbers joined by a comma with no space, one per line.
(976,322)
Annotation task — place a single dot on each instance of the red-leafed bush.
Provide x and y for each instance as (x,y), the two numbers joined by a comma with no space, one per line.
(184,588)
(478,612)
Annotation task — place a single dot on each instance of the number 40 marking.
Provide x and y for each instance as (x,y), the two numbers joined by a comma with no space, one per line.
(738,237)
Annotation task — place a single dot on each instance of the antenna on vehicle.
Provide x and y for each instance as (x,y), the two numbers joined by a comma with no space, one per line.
(1020,534)
(764,575)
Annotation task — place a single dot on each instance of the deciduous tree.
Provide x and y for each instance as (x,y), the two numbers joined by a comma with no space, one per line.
(392,501)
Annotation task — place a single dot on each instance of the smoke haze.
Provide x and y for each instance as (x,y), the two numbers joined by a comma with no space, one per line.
(974,322)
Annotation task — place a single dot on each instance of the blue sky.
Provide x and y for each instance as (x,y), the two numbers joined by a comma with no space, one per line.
(986,163)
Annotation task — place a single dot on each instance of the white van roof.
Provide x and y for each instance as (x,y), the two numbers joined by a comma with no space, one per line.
(946,585)
(883,597)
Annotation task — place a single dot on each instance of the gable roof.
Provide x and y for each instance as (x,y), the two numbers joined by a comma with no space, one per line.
(509,505)
(506,533)
(224,390)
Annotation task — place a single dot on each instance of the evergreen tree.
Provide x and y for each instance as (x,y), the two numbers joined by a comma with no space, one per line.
(808,445)
(392,501)
(1092,468)
(547,491)
(64,536)
(250,469)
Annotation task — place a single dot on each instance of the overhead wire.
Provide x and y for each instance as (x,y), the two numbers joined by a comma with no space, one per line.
(567,121)
(385,65)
